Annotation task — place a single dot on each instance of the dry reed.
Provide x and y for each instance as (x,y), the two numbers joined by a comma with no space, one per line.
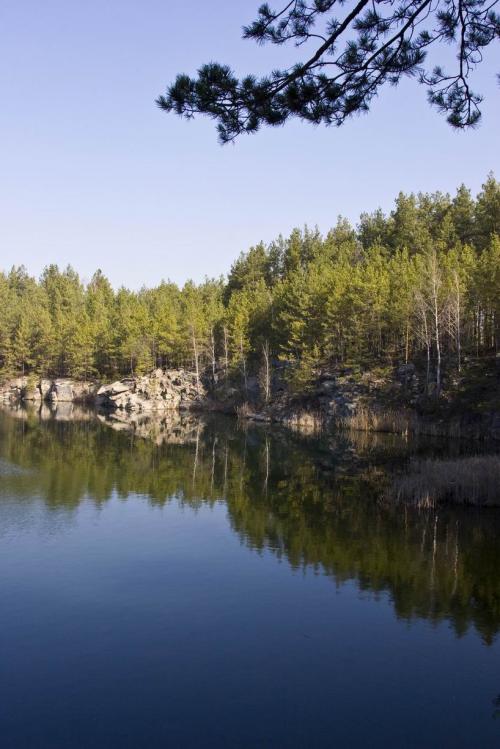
(244,411)
(407,422)
(308,422)
(366,420)
(467,481)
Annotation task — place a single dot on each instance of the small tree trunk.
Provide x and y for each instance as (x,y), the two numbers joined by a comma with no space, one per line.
(196,358)
(477,331)
(266,372)
(212,353)
(456,322)
(438,353)
(435,284)
(243,365)
(226,357)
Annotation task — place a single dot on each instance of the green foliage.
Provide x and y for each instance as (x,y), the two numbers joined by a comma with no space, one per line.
(420,283)
(357,52)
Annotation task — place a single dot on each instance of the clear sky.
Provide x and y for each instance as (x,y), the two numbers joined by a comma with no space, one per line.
(93,174)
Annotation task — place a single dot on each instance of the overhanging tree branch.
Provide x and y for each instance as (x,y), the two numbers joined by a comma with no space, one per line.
(375,43)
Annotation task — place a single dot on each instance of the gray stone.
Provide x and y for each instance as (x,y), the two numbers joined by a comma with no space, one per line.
(405,371)
(159,391)
(326,387)
(44,386)
(114,389)
(61,390)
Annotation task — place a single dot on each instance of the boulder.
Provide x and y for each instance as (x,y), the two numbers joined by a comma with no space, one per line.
(159,391)
(341,406)
(115,388)
(44,387)
(61,390)
(326,387)
(84,391)
(405,372)
(11,390)
(31,393)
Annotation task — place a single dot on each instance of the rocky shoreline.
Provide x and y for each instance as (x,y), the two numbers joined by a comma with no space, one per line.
(161,390)
(158,391)
(337,399)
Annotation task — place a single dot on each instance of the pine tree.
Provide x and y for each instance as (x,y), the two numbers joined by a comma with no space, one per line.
(462,213)
(356,52)
(488,212)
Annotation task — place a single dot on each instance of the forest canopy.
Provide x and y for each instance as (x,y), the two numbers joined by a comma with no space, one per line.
(351,51)
(422,282)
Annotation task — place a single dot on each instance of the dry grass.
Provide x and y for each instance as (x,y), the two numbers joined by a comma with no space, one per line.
(366,420)
(465,481)
(307,422)
(244,411)
(407,422)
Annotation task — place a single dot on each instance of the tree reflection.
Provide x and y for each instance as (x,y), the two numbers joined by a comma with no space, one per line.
(309,502)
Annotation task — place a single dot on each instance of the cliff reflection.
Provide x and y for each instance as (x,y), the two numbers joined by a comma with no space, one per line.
(310,503)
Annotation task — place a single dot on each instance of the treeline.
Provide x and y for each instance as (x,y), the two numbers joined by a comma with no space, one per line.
(422,283)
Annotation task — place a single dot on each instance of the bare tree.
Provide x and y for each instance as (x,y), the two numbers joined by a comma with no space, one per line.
(226,353)
(455,314)
(435,283)
(265,372)
(196,357)
(212,353)
(423,332)
(429,310)
(243,364)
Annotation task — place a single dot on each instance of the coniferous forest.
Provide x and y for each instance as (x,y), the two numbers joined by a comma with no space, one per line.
(421,283)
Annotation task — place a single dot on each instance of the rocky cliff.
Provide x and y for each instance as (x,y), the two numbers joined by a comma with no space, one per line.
(175,389)
(159,391)
(60,390)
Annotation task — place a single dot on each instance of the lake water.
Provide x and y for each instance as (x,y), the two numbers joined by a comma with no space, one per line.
(196,584)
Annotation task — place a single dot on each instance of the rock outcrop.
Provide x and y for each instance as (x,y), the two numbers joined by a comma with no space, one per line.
(160,391)
(61,390)
(11,390)
(71,391)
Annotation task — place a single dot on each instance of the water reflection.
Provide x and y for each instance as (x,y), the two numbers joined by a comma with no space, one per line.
(311,502)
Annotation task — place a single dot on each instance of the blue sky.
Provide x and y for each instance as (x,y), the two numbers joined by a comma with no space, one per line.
(93,174)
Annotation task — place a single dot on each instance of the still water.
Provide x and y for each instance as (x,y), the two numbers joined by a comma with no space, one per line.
(195,584)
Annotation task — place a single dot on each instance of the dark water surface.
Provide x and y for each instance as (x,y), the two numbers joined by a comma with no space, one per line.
(208,586)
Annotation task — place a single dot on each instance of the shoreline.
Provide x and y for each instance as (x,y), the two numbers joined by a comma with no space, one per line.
(335,405)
